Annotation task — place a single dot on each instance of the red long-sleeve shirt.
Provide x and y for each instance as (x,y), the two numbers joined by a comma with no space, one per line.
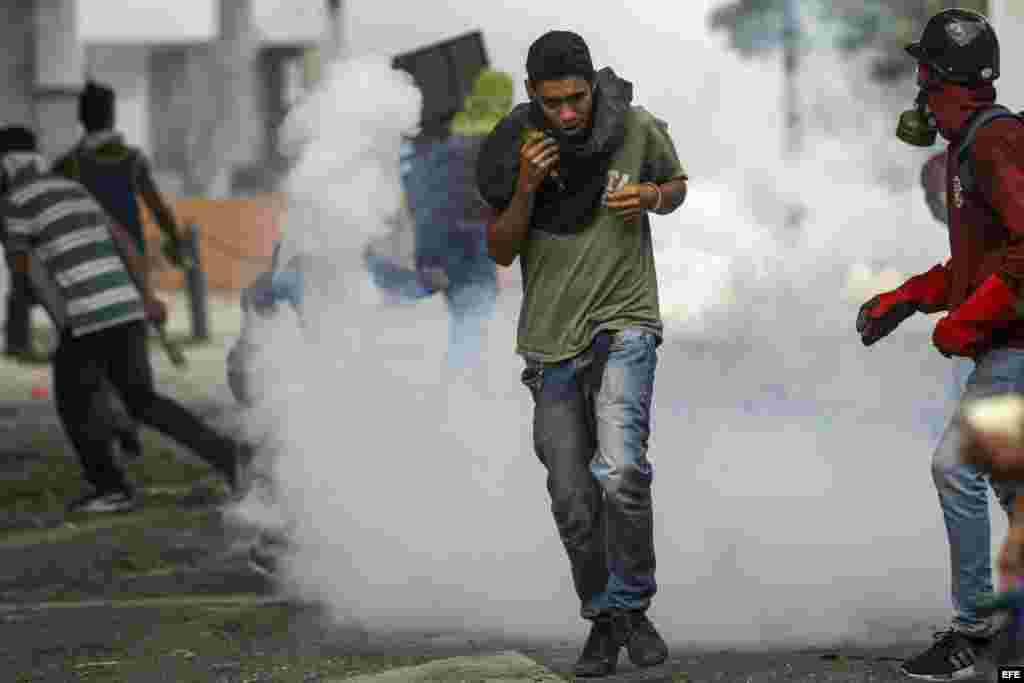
(986,225)
(990,221)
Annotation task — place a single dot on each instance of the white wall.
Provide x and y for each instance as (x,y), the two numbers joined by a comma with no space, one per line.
(57,74)
(124,68)
(16,71)
(1007,18)
(295,22)
(58,48)
(148,21)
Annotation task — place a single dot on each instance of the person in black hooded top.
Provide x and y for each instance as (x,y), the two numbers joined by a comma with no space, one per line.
(115,173)
(573,175)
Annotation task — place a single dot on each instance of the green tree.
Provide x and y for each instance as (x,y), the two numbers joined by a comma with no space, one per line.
(755,27)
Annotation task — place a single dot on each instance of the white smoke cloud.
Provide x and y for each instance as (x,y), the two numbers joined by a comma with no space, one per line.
(793,498)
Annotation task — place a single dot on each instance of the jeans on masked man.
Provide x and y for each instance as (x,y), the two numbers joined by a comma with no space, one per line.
(963,490)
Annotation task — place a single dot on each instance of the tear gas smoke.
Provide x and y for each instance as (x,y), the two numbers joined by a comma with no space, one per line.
(793,497)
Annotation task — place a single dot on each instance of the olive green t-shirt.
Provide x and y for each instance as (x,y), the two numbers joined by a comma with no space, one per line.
(603,277)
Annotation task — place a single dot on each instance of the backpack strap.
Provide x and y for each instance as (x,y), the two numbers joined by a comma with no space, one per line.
(964,162)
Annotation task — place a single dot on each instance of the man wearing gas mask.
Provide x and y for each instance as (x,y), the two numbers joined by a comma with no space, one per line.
(572,175)
(978,288)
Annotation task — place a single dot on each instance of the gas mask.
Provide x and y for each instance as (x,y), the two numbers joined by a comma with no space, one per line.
(917,126)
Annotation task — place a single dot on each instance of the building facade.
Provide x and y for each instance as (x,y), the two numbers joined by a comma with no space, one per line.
(201,85)
(1007,18)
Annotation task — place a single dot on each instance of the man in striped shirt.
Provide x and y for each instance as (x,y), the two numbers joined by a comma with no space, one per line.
(90,278)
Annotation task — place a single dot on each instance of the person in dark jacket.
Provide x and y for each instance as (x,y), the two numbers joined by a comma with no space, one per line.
(978,288)
(118,175)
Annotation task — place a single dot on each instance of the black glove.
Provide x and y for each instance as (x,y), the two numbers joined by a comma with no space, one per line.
(882,314)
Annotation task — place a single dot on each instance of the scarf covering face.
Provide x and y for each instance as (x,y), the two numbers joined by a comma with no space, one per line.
(583,165)
(953,105)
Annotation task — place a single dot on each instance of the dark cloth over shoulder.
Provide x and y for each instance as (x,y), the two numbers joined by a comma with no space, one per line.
(583,168)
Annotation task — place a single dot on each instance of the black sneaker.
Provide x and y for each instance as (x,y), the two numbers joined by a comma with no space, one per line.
(951,658)
(600,654)
(644,644)
(120,500)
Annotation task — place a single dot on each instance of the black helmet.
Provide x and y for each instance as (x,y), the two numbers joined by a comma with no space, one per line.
(960,46)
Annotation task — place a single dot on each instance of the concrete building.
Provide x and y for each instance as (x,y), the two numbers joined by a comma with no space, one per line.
(1007,17)
(201,84)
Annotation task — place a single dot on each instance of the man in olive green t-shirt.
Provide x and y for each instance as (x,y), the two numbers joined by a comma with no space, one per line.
(573,175)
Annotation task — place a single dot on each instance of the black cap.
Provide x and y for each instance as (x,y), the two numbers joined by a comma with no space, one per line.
(557,55)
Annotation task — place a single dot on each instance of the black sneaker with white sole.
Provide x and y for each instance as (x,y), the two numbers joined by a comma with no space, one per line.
(952,657)
(119,500)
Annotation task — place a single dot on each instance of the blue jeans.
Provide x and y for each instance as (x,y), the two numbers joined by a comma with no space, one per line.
(471,296)
(963,492)
(594,446)
(391,278)
(451,235)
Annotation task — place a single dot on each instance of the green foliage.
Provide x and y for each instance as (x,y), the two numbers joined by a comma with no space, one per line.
(755,27)
(485,106)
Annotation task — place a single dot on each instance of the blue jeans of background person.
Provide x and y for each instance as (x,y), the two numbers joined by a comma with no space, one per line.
(389,277)
(594,447)
(963,492)
(451,235)
(471,295)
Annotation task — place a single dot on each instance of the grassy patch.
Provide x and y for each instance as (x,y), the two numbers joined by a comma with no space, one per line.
(191,643)
(45,485)
(185,666)
(130,529)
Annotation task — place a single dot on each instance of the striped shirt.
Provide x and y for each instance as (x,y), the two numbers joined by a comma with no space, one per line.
(67,236)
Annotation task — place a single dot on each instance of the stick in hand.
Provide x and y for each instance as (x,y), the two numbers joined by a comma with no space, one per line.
(173,351)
